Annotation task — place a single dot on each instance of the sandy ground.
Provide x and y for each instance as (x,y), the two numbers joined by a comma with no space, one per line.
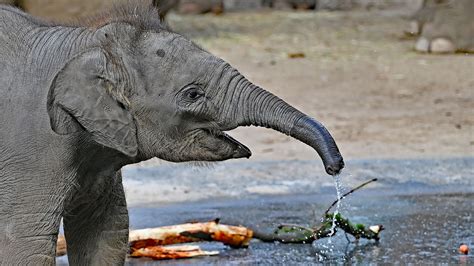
(359,76)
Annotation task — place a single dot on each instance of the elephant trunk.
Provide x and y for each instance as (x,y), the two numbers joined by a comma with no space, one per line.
(258,107)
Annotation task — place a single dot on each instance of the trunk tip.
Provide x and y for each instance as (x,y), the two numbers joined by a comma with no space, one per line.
(335,167)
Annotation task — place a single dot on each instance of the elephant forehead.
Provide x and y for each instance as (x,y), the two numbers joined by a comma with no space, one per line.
(176,50)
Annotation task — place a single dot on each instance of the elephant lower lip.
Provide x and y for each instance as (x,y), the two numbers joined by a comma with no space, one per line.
(241,150)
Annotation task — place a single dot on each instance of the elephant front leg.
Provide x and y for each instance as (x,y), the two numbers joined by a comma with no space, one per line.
(97,229)
(29,229)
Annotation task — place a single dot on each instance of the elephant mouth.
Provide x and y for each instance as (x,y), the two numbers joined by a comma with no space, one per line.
(241,150)
(238,150)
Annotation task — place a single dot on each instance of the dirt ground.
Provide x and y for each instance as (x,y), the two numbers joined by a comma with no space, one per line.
(359,76)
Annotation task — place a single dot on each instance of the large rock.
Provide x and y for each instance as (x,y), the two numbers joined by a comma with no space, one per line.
(445,26)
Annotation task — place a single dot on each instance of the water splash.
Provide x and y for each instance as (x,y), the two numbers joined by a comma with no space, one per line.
(337,184)
(327,250)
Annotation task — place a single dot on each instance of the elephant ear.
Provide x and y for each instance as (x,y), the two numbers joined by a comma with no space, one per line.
(82,97)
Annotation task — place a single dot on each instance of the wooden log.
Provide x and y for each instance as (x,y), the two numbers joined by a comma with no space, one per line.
(61,249)
(234,236)
(171,252)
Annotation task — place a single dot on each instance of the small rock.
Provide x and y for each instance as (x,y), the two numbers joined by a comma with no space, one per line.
(375,228)
(422,45)
(464,249)
(442,46)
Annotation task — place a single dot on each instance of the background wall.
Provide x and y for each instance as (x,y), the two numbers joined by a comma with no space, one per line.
(69,9)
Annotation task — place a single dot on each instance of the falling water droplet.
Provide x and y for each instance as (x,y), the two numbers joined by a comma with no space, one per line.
(337,184)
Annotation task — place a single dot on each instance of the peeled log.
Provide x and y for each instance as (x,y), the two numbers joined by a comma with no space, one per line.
(167,253)
(61,249)
(141,241)
(234,236)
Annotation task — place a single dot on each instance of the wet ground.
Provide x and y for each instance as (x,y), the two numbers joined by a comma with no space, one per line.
(242,179)
(426,218)
(420,228)
(426,206)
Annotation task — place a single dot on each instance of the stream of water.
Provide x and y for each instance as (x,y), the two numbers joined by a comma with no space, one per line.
(337,185)
(326,246)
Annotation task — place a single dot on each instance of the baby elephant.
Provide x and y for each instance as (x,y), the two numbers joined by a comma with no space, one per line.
(79,102)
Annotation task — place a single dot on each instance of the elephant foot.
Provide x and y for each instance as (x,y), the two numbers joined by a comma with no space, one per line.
(436,46)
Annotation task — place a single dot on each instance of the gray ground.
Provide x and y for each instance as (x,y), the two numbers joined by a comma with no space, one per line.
(158,186)
(423,225)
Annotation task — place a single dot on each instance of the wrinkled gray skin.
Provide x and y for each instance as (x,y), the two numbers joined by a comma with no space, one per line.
(78,103)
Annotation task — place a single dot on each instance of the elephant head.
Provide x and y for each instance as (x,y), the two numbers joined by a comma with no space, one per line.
(148,92)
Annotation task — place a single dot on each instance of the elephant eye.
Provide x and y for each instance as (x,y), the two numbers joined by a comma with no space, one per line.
(193,94)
